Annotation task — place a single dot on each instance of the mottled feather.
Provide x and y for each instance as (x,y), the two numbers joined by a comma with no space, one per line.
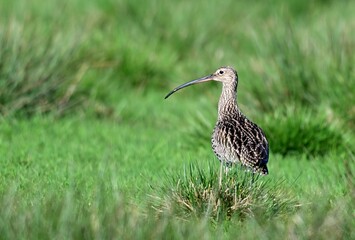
(236,139)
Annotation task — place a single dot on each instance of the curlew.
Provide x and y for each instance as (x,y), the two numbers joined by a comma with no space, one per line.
(235,138)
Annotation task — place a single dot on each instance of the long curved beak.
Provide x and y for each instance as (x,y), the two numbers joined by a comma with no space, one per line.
(200,80)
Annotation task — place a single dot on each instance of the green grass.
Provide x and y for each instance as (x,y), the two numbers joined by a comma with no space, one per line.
(91,150)
(220,195)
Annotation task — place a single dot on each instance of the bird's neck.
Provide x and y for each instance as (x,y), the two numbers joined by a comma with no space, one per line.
(228,101)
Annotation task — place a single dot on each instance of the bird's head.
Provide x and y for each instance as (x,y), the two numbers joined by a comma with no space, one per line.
(226,75)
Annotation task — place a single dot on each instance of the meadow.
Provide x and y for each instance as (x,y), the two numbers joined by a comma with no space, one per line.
(89,148)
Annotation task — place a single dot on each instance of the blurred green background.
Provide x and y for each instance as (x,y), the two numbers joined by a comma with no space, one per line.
(85,129)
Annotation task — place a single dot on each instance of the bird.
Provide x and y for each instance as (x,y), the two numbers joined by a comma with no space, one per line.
(235,138)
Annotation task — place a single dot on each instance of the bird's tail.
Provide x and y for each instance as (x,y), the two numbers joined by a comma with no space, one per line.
(263,170)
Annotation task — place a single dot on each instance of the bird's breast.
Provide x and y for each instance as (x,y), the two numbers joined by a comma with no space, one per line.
(223,142)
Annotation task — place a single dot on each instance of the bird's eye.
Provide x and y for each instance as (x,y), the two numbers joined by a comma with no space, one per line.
(221,72)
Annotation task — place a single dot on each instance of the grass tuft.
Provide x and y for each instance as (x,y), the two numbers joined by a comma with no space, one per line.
(298,131)
(37,70)
(240,194)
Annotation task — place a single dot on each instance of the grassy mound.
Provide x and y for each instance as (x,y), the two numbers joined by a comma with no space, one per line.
(221,194)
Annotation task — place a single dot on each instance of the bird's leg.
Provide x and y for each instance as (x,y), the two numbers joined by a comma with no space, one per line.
(220,175)
(255,177)
(226,170)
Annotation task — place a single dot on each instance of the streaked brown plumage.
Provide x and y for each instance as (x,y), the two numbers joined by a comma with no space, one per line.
(235,138)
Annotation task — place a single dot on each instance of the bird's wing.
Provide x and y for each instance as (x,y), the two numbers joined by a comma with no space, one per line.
(255,148)
(242,141)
